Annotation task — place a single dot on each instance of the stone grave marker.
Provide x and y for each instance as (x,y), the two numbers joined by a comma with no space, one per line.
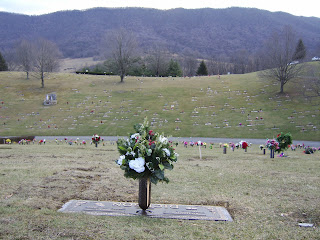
(170,211)
(51,99)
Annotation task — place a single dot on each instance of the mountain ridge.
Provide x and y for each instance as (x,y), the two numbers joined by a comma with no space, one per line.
(206,32)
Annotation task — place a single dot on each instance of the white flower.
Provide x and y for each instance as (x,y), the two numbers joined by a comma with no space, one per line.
(149,152)
(166,150)
(120,160)
(163,139)
(131,153)
(135,136)
(137,164)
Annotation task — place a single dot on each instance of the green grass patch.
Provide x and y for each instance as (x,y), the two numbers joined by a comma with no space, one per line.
(181,107)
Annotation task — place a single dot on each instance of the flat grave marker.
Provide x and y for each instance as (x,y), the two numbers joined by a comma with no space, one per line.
(170,211)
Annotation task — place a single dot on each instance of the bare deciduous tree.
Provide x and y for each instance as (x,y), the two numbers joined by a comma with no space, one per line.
(158,60)
(279,52)
(46,58)
(25,53)
(122,46)
(190,64)
(218,65)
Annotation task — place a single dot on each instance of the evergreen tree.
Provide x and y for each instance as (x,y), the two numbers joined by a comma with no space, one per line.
(300,52)
(202,70)
(174,69)
(3,64)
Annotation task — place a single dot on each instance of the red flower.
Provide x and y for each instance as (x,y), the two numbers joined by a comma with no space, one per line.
(244,145)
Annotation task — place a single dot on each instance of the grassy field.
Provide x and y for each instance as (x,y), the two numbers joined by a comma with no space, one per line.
(238,106)
(266,197)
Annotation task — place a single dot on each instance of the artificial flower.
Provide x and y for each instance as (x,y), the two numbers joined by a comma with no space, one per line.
(166,151)
(137,164)
(146,154)
(120,160)
(163,139)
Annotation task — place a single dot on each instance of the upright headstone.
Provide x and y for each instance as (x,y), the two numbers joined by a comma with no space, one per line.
(51,99)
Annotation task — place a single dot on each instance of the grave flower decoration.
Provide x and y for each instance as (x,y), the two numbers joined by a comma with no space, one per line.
(284,141)
(308,150)
(146,154)
(244,144)
(272,144)
(96,139)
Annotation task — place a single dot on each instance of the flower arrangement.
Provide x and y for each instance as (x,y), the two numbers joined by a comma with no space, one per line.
(96,139)
(232,146)
(146,154)
(284,141)
(244,145)
(272,144)
(309,150)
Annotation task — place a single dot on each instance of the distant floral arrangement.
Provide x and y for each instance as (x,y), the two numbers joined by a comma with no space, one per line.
(272,144)
(284,141)
(146,154)
(244,144)
(96,138)
(281,143)
(309,150)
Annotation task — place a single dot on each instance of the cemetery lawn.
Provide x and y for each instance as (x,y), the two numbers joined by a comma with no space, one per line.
(267,198)
(232,106)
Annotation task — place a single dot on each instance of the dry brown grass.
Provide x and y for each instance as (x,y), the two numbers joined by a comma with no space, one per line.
(266,197)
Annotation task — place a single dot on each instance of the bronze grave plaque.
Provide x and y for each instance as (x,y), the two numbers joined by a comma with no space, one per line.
(186,212)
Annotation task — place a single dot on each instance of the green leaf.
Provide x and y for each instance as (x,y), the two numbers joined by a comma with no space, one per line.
(161,167)
(159,174)
(154,179)
(122,148)
(168,165)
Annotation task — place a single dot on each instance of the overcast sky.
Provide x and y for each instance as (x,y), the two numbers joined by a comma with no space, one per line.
(307,8)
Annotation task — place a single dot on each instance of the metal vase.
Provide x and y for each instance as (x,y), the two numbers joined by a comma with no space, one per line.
(271,153)
(144,193)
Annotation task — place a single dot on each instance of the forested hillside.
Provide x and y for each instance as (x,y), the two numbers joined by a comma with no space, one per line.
(206,32)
